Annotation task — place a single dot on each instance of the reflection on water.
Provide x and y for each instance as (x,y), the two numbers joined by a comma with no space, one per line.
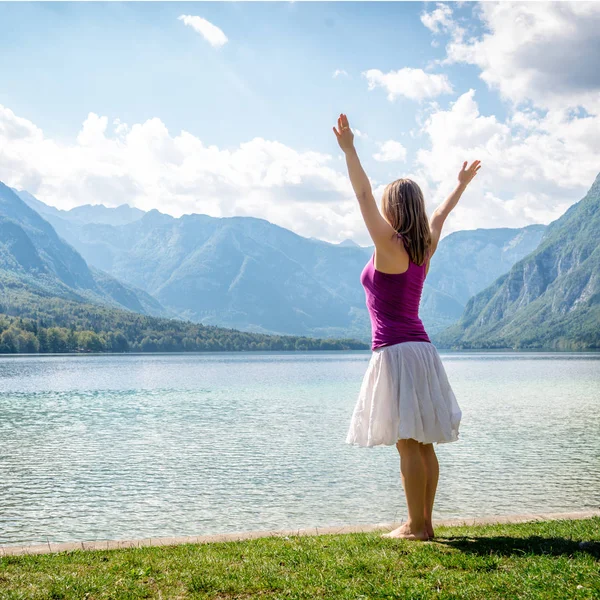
(112,447)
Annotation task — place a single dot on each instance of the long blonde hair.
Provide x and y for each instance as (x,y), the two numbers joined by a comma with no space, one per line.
(403,206)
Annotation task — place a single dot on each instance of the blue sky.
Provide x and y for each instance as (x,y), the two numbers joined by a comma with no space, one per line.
(274,80)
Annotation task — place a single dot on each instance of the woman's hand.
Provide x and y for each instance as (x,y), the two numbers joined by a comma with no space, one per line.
(344,134)
(465,176)
(440,214)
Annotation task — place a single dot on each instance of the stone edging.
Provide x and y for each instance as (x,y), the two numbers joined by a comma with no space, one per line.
(248,535)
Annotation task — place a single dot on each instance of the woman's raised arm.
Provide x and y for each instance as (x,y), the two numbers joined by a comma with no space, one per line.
(379,229)
(465,176)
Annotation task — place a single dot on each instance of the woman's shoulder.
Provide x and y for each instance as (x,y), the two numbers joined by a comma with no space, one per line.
(393,256)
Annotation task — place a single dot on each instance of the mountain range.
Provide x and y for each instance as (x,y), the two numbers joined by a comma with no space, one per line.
(246,273)
(32,254)
(51,300)
(549,298)
(250,274)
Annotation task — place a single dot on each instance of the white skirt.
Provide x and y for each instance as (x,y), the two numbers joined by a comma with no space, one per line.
(405,394)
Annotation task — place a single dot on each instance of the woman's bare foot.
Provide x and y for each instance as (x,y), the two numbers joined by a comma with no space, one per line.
(429,529)
(406,532)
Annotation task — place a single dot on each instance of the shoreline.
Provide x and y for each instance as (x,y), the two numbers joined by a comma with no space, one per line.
(441,349)
(51,547)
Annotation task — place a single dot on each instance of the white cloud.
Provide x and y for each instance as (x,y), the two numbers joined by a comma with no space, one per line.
(542,57)
(415,84)
(533,166)
(93,130)
(146,166)
(438,20)
(543,52)
(339,72)
(390,151)
(13,127)
(120,128)
(211,33)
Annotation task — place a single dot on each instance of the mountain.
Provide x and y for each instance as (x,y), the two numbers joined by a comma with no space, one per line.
(88,213)
(250,274)
(349,243)
(98,213)
(52,301)
(40,207)
(236,272)
(550,298)
(465,263)
(32,253)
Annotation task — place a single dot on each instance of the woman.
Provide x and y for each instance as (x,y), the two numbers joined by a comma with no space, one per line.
(405,398)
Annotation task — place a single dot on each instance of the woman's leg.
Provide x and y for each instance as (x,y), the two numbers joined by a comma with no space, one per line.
(414,483)
(432,470)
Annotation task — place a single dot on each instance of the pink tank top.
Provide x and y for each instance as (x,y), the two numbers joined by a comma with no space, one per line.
(393,303)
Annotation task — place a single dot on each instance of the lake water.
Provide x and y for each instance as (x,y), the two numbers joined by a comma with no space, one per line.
(128,446)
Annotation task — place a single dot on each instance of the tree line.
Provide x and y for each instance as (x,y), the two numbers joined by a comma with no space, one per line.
(54,325)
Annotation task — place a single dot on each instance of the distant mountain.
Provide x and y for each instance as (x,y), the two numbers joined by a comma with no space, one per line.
(98,213)
(550,298)
(40,207)
(32,253)
(465,263)
(349,243)
(51,301)
(252,275)
(88,213)
(236,272)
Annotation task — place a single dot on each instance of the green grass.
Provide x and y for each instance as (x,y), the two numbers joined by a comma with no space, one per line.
(525,560)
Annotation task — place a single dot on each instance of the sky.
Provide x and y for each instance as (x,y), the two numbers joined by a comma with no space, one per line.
(227,108)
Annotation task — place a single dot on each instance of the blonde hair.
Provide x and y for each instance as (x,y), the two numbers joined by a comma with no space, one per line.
(403,206)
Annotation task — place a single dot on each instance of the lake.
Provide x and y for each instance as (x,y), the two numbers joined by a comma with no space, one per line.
(127,446)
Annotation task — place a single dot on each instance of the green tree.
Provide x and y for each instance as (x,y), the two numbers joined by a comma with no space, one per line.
(8,341)
(72,341)
(42,339)
(90,341)
(119,342)
(27,343)
(57,340)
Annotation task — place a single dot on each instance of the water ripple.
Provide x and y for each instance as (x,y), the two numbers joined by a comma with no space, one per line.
(113,447)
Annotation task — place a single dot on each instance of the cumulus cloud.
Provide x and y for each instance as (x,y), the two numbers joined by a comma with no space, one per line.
(543,52)
(147,166)
(339,73)
(541,58)
(93,130)
(415,84)
(211,33)
(534,166)
(438,20)
(390,151)
(13,127)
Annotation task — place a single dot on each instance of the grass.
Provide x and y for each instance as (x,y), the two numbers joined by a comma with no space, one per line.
(524,560)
